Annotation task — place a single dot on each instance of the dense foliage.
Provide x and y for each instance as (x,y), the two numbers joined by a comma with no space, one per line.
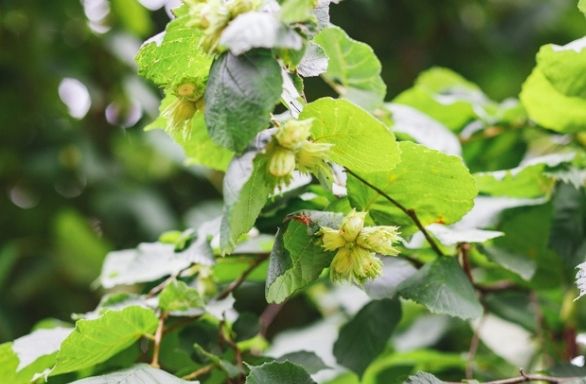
(434,234)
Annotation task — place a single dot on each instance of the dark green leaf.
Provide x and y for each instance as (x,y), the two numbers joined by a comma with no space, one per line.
(364,337)
(241,93)
(278,372)
(442,286)
(246,190)
(297,259)
(308,360)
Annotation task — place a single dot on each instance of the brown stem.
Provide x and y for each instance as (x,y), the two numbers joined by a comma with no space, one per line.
(226,339)
(268,316)
(339,89)
(527,377)
(499,286)
(464,251)
(157,341)
(236,283)
(407,211)
(474,343)
(198,372)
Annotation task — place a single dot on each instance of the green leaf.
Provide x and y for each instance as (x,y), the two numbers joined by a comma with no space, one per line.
(230,369)
(395,272)
(361,142)
(308,360)
(297,11)
(198,147)
(364,337)
(423,129)
(241,93)
(550,108)
(527,180)
(133,16)
(297,259)
(177,298)
(139,373)
(444,95)
(423,378)
(443,288)
(314,61)
(438,187)
(246,190)
(564,67)
(354,66)
(175,56)
(278,372)
(31,355)
(151,261)
(582,6)
(95,341)
(259,30)
(527,232)
(8,366)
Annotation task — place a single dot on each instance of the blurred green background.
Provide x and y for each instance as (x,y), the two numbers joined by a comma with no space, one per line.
(78,176)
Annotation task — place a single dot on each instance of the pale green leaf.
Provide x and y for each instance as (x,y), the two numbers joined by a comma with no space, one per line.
(361,142)
(31,356)
(364,337)
(314,61)
(139,373)
(395,271)
(175,56)
(550,108)
(423,378)
(241,93)
(151,261)
(438,187)
(95,341)
(39,343)
(530,179)
(259,30)
(442,287)
(445,96)
(354,66)
(198,147)
(582,6)
(278,372)
(297,11)
(423,129)
(564,67)
(246,190)
(178,298)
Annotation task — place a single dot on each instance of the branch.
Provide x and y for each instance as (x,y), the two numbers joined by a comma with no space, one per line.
(268,316)
(157,341)
(409,212)
(474,343)
(527,377)
(338,88)
(236,283)
(198,372)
